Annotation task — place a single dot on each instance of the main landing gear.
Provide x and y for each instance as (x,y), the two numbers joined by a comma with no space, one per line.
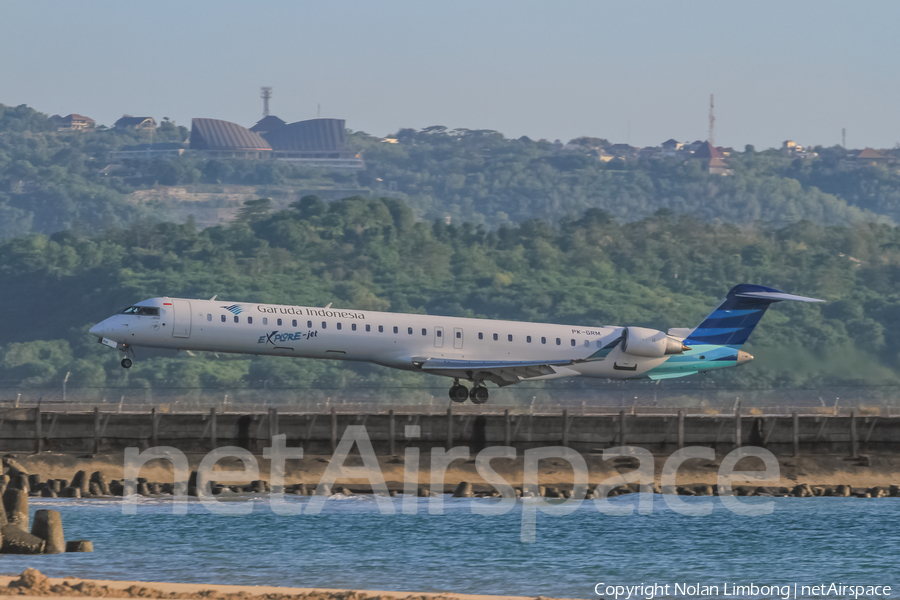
(460,393)
(126,362)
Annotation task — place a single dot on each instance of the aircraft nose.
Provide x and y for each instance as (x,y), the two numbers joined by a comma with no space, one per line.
(744,357)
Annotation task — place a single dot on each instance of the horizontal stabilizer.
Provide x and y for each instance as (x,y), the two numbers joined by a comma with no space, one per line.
(776,296)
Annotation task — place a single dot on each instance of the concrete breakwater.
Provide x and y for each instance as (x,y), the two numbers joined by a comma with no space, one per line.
(96,430)
(46,535)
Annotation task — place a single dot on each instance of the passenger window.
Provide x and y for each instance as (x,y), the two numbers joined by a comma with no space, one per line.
(543,340)
(573,342)
(587,344)
(424,331)
(279,322)
(409,330)
(353,327)
(368,327)
(339,326)
(396,329)
(558,341)
(459,335)
(528,339)
(440,333)
(324,325)
(496,337)
(381,329)
(480,336)
(599,343)
(209,316)
(237,319)
(249,320)
(265,320)
(294,322)
(223,318)
(309,324)
(509,337)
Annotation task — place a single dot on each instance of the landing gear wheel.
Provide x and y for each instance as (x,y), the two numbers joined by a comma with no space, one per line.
(126,362)
(459,393)
(479,394)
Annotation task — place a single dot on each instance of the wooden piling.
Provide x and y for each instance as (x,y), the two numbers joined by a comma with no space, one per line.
(449,427)
(38,436)
(680,429)
(737,427)
(565,428)
(154,431)
(391,432)
(333,430)
(622,428)
(854,441)
(273,426)
(96,430)
(213,437)
(507,435)
(796,433)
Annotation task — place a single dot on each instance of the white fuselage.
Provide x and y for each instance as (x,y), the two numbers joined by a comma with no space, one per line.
(401,341)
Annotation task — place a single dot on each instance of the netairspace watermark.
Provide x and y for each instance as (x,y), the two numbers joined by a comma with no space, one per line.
(649,591)
(532,502)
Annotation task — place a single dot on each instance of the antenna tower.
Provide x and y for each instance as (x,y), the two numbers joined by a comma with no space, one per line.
(266,93)
(844,137)
(712,121)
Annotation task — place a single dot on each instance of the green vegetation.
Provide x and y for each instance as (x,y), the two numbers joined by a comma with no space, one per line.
(52,181)
(661,271)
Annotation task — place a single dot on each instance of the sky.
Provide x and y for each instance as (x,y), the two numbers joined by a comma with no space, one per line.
(633,72)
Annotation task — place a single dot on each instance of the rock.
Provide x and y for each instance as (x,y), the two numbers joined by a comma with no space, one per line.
(34,481)
(168,488)
(879,492)
(143,489)
(48,527)
(116,488)
(842,490)
(71,492)
(552,492)
(56,485)
(18,541)
(80,481)
(323,489)
(463,490)
(20,482)
(94,489)
(703,490)
(895,491)
(15,504)
(424,492)
(684,491)
(79,546)
(100,479)
(670,489)
(542,491)
(48,493)
(13,467)
(395,494)
(762,491)
(802,491)
(346,491)
(258,486)
(154,488)
(31,579)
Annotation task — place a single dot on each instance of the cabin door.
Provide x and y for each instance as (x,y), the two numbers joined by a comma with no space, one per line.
(181,322)
(457,338)
(438,337)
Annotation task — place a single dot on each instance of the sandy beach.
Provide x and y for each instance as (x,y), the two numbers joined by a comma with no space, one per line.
(33,583)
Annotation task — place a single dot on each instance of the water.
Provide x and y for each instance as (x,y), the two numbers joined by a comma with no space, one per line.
(351,545)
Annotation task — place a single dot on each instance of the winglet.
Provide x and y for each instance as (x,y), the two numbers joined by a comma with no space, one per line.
(214,297)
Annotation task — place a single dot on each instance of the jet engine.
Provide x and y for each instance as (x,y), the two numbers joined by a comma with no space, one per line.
(650,343)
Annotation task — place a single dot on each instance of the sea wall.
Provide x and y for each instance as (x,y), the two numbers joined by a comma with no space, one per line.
(103,429)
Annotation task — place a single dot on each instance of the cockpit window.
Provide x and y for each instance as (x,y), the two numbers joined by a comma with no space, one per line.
(145,311)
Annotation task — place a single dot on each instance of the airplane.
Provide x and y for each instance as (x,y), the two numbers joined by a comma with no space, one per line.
(473,350)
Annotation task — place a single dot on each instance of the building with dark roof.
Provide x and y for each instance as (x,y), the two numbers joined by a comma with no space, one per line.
(136,123)
(222,139)
(267,123)
(713,159)
(72,122)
